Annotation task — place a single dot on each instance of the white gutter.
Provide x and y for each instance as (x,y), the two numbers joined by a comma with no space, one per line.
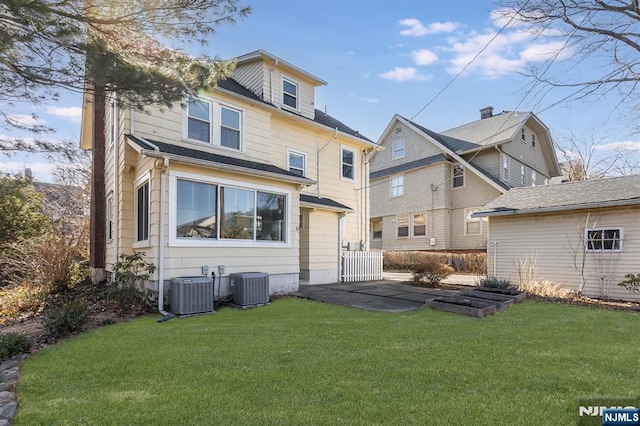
(335,136)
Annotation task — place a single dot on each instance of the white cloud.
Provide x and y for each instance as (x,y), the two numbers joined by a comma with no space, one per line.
(624,146)
(404,74)
(24,120)
(72,113)
(424,57)
(416,29)
(364,99)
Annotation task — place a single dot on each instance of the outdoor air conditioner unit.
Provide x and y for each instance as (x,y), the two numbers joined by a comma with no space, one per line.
(250,288)
(191,295)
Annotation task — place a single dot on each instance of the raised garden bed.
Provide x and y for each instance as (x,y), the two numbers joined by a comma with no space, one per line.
(459,305)
(500,301)
(517,296)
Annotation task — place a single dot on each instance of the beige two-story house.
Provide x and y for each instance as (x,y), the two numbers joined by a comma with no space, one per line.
(425,186)
(249,177)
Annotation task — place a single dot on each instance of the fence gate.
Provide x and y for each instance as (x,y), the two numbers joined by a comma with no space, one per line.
(361,266)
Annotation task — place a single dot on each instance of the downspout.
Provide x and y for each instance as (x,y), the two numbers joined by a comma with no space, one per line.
(340,246)
(335,136)
(165,315)
(495,249)
(116,181)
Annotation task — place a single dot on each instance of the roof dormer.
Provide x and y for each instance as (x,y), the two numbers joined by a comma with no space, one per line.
(278,82)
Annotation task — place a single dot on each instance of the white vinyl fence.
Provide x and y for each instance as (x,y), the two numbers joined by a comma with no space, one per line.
(361,266)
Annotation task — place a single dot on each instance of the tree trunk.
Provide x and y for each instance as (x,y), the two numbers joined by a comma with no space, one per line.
(98,201)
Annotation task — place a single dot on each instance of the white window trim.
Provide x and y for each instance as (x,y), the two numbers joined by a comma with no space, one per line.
(404,146)
(504,172)
(145,178)
(413,224)
(620,229)
(113,125)
(215,123)
(464,175)
(355,162)
(400,186)
(304,160)
(523,175)
(534,177)
(174,241)
(473,219)
(295,83)
(381,229)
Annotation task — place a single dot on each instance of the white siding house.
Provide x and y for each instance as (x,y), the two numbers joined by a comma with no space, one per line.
(574,231)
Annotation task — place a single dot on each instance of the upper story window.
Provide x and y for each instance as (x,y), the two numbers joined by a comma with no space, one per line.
(523,175)
(603,239)
(296,162)
(213,123)
(522,134)
(347,163)
(533,140)
(505,167)
(398,149)
(457,176)
(229,127)
(289,93)
(397,186)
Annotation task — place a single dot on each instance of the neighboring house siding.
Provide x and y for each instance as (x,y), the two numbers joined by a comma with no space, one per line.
(553,240)
(487,161)
(415,148)
(524,153)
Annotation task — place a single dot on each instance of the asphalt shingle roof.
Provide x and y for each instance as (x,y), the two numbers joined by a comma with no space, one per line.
(427,161)
(453,143)
(486,131)
(566,196)
(327,202)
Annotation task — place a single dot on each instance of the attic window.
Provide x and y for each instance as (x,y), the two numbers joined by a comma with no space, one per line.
(522,134)
(289,93)
(457,177)
(398,149)
(533,140)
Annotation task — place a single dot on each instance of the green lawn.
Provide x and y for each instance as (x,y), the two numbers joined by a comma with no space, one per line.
(302,362)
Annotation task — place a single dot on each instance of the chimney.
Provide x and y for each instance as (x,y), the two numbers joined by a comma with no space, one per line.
(486,112)
(28,175)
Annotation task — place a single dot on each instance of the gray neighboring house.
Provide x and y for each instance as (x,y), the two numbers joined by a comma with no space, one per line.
(425,186)
(595,223)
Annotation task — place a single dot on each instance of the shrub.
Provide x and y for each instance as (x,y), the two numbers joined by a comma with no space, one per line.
(12,344)
(66,319)
(431,272)
(547,289)
(472,263)
(493,282)
(632,283)
(130,273)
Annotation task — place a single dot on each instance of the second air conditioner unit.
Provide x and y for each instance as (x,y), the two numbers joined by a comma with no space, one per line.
(250,288)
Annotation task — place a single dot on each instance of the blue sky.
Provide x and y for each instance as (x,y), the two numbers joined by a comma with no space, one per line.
(385,57)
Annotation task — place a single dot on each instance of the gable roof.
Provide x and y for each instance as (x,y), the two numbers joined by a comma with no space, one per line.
(493,130)
(208,159)
(263,54)
(427,161)
(620,191)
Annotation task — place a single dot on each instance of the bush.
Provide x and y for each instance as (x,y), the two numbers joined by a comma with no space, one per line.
(431,272)
(632,283)
(493,282)
(471,263)
(130,272)
(66,319)
(12,344)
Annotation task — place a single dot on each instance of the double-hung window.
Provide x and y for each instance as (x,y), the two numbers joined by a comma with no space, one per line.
(376,229)
(398,149)
(347,163)
(212,123)
(505,167)
(534,176)
(472,225)
(403,225)
(397,186)
(603,239)
(533,140)
(110,217)
(290,93)
(419,224)
(296,162)
(523,175)
(522,134)
(457,177)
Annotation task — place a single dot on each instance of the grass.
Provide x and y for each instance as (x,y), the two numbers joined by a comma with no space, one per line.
(302,362)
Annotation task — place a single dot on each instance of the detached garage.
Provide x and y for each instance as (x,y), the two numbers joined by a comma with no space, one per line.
(572,233)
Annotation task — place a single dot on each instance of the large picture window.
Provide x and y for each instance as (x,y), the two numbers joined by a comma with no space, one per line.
(603,239)
(218,211)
